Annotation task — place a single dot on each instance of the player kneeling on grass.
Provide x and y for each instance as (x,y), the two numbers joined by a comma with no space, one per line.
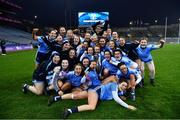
(103,92)
(144,53)
(41,74)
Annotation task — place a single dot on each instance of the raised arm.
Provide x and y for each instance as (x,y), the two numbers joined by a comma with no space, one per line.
(95,25)
(83,79)
(139,78)
(83,55)
(34,33)
(161,43)
(105,26)
(78,49)
(50,44)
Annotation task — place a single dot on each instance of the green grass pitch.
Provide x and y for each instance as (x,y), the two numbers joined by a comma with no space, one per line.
(159,102)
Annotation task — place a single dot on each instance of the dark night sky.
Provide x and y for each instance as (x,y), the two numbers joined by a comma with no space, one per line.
(52,12)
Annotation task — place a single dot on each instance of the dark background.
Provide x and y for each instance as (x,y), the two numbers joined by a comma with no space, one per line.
(65,12)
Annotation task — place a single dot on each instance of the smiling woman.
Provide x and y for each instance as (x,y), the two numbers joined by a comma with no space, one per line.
(91,63)
(18,67)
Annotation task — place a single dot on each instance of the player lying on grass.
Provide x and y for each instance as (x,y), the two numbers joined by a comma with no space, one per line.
(103,92)
(144,53)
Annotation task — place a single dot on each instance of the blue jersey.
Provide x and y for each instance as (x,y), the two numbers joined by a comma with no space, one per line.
(112,68)
(81,39)
(106,91)
(104,48)
(74,79)
(49,77)
(62,74)
(128,62)
(81,51)
(44,71)
(109,37)
(92,77)
(111,50)
(100,57)
(126,76)
(92,44)
(90,57)
(145,54)
(43,47)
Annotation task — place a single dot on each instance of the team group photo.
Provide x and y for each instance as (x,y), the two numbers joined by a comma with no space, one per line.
(88,60)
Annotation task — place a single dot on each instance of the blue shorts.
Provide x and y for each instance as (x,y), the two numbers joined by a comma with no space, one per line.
(73,84)
(149,60)
(97,90)
(41,57)
(37,81)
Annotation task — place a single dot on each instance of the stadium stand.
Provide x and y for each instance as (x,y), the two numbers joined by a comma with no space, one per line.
(153,32)
(13,35)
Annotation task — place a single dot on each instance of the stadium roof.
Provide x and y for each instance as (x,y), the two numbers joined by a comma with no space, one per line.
(11,4)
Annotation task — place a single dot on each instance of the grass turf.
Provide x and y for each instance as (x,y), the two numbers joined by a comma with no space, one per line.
(159,102)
